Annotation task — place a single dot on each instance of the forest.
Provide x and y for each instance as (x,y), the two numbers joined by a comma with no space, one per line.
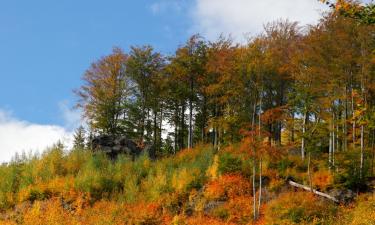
(277,130)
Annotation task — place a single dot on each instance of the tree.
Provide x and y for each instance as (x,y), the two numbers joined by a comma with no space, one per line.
(79,138)
(105,90)
(144,67)
(363,13)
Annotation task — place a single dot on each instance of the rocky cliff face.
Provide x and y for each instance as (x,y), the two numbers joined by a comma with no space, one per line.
(116,145)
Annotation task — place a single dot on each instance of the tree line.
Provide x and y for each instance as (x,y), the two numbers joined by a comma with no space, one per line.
(309,87)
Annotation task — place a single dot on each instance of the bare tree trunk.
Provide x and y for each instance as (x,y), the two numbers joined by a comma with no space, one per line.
(190,137)
(203,134)
(294,184)
(333,138)
(155,130)
(253,117)
(254,192)
(344,127)
(354,123)
(373,153)
(330,150)
(182,127)
(303,134)
(161,126)
(259,115)
(362,151)
(176,132)
(309,171)
(260,185)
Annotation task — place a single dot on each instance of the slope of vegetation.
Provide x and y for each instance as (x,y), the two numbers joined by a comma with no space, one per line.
(231,124)
(196,186)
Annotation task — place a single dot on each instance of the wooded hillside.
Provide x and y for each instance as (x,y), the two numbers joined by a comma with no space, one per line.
(278,130)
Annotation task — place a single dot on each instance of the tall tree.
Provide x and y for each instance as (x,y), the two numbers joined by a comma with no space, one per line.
(144,67)
(103,93)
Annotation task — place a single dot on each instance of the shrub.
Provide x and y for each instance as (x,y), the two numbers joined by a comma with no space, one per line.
(299,208)
(229,163)
(322,179)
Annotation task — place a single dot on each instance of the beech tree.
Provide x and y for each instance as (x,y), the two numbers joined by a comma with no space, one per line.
(103,93)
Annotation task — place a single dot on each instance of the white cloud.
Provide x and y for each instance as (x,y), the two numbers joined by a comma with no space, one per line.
(242,17)
(18,136)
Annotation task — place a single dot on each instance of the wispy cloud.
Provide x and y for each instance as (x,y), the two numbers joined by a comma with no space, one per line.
(164,6)
(17,136)
(239,17)
(72,117)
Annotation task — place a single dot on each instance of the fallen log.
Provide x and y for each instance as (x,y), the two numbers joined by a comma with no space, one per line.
(297,185)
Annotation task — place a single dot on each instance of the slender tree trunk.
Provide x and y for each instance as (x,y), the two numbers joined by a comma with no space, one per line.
(215,129)
(362,127)
(309,171)
(333,138)
(155,129)
(260,185)
(190,137)
(182,127)
(176,131)
(259,115)
(253,116)
(292,129)
(161,126)
(254,192)
(345,118)
(337,136)
(362,152)
(373,153)
(303,134)
(142,124)
(354,123)
(330,149)
(203,134)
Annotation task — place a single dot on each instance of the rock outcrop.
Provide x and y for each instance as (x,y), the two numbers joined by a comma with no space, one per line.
(116,145)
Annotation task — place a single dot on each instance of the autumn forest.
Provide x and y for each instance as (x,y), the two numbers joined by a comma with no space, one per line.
(279,129)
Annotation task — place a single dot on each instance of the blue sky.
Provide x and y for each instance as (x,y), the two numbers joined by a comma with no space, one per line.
(46,45)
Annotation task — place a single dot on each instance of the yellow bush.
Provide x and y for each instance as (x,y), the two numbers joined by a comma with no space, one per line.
(299,208)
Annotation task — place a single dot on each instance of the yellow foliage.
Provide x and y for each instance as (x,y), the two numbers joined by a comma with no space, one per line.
(298,208)
(212,171)
(182,178)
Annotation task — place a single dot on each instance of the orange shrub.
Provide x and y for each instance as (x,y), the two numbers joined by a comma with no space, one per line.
(199,220)
(240,209)
(227,186)
(47,213)
(322,179)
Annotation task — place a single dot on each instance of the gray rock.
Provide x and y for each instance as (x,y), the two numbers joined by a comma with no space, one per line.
(116,145)
(343,195)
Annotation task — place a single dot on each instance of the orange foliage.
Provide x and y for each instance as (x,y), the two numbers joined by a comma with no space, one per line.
(200,220)
(322,179)
(48,212)
(40,190)
(227,187)
(240,209)
(52,212)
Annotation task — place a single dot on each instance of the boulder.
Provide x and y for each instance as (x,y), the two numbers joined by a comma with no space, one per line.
(116,145)
(343,195)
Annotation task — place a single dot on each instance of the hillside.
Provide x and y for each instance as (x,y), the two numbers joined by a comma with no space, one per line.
(196,186)
(277,130)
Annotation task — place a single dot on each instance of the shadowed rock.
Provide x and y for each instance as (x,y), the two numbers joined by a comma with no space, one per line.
(116,145)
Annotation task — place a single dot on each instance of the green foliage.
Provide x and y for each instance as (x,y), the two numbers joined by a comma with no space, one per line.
(229,163)
(300,208)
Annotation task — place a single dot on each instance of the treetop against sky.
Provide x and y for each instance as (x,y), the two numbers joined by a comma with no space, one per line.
(47,46)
